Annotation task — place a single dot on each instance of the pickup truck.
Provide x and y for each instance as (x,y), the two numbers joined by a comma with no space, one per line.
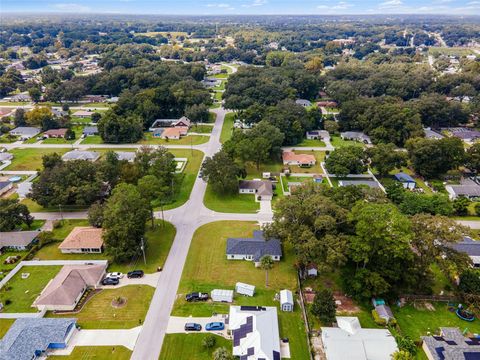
(196,296)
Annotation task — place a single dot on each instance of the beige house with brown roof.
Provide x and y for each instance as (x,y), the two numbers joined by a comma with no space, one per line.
(290,158)
(83,240)
(65,290)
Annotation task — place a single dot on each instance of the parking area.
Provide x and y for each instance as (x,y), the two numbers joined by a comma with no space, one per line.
(147,279)
(176,324)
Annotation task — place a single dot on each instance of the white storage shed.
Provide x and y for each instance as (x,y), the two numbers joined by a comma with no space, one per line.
(245,289)
(222,295)
(286,300)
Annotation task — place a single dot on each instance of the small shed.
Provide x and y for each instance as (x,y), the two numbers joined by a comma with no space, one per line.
(222,295)
(244,289)
(286,300)
(312,270)
(384,312)
(407,181)
(377,302)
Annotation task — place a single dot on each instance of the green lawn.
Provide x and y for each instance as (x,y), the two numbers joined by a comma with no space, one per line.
(30,159)
(159,240)
(227,127)
(35,207)
(5,325)
(99,313)
(311,143)
(78,133)
(212,117)
(189,346)
(5,268)
(385,180)
(236,203)
(92,140)
(417,322)
(337,141)
(186,140)
(207,268)
(277,166)
(96,353)
(215,105)
(23,292)
(202,129)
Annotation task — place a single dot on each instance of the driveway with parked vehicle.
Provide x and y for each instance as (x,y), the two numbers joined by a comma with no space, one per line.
(176,325)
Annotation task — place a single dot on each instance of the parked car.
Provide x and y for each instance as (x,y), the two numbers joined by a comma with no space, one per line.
(114,275)
(193,327)
(213,326)
(196,296)
(110,281)
(135,274)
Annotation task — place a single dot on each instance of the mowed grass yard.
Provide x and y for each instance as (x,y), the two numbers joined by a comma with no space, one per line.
(187,347)
(23,292)
(207,268)
(235,203)
(98,312)
(96,353)
(159,240)
(227,128)
(31,159)
(5,325)
(186,140)
(311,143)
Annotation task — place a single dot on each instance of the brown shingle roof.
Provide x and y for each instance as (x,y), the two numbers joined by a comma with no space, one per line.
(83,237)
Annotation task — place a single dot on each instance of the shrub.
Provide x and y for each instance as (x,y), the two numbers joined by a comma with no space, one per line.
(209,341)
(57,224)
(477,209)
(8,302)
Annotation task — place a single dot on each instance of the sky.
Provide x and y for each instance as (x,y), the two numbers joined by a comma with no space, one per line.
(238,7)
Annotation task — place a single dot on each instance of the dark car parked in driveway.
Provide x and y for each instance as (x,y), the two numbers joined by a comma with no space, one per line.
(196,296)
(135,274)
(193,327)
(110,281)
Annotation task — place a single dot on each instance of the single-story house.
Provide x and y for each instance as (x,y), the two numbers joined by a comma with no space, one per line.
(356,136)
(384,312)
(407,181)
(126,155)
(255,332)
(469,247)
(253,249)
(25,132)
(55,133)
(95,98)
(20,98)
(329,104)
(432,134)
(211,82)
(81,155)
(317,135)
(5,186)
(286,300)
(464,134)
(470,191)
(30,338)
(83,240)
(166,123)
(59,113)
(5,156)
(370,183)
(18,240)
(290,158)
(82,114)
(174,133)
(65,290)
(90,130)
(451,344)
(262,189)
(350,341)
(303,102)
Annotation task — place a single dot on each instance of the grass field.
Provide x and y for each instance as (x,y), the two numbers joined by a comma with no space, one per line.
(202,129)
(96,353)
(311,143)
(186,140)
(236,203)
(35,207)
(5,325)
(456,51)
(207,268)
(277,166)
(30,159)
(159,240)
(22,292)
(227,127)
(189,346)
(337,141)
(98,312)
(92,140)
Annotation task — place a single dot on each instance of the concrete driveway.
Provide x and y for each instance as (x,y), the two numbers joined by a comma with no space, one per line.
(147,279)
(176,324)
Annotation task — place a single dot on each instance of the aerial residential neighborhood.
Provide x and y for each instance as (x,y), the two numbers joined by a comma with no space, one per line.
(259,180)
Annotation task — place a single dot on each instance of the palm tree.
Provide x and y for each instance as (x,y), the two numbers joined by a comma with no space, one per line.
(266,262)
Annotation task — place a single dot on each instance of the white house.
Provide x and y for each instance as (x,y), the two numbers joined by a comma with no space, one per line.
(262,189)
(350,341)
(286,300)
(255,332)
(317,135)
(244,289)
(222,295)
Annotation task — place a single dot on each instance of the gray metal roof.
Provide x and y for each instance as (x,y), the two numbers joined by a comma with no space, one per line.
(29,335)
(256,246)
(17,238)
(466,190)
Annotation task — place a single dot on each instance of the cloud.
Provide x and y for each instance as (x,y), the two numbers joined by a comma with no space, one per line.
(390,4)
(255,3)
(71,7)
(222,6)
(341,5)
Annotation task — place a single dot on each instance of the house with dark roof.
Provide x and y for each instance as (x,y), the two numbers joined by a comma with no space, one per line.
(469,247)
(303,102)
(469,190)
(356,136)
(318,135)
(5,186)
(262,189)
(25,132)
(451,344)
(81,155)
(18,240)
(253,249)
(407,181)
(90,130)
(357,182)
(169,123)
(31,338)
(255,332)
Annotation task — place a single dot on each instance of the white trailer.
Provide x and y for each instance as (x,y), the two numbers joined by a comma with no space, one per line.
(245,289)
(222,295)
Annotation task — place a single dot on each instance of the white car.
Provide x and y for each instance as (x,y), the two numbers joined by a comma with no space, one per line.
(114,275)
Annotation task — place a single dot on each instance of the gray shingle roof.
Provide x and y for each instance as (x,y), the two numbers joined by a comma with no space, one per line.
(17,238)
(263,188)
(90,130)
(468,246)
(28,335)
(452,345)
(369,183)
(256,246)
